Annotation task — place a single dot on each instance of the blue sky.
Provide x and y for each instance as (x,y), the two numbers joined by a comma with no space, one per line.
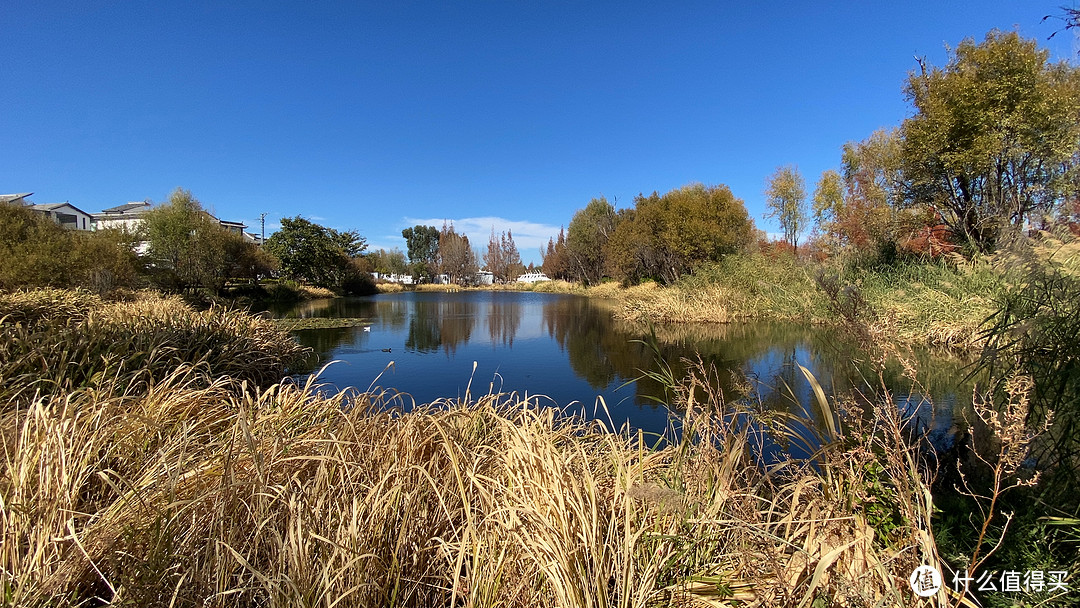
(374,116)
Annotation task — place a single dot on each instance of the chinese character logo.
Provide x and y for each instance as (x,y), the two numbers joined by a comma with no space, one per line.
(925,581)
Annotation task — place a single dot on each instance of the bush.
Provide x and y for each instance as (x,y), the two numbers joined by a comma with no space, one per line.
(38,253)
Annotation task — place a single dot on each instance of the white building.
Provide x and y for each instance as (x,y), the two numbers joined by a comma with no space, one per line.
(404,279)
(127,217)
(533,277)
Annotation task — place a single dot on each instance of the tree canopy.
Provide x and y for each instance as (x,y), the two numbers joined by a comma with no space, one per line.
(422,243)
(663,237)
(455,255)
(502,258)
(189,248)
(316,254)
(994,137)
(586,240)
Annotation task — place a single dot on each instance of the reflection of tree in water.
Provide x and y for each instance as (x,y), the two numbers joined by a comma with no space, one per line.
(436,324)
(423,328)
(585,334)
(457,318)
(391,312)
(324,342)
(306,309)
(503,321)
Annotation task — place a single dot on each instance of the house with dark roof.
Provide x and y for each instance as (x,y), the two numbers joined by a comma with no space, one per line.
(67,215)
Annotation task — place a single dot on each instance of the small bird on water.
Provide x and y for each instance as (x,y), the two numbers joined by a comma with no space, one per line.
(386,350)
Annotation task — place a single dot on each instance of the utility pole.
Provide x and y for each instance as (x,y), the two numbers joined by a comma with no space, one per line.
(262,237)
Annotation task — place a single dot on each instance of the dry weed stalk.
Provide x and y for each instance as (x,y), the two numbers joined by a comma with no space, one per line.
(1009,429)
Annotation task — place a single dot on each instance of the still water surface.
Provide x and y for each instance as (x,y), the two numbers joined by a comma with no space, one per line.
(571,351)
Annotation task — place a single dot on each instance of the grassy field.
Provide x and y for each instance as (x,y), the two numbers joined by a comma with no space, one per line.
(190,476)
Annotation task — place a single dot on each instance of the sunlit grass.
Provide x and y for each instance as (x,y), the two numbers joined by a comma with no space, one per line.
(194,486)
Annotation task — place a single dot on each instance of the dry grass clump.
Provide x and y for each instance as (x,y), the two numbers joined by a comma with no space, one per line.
(30,307)
(84,343)
(935,304)
(388,287)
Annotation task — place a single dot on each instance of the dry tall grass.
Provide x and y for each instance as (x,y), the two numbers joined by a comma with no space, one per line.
(223,495)
(200,489)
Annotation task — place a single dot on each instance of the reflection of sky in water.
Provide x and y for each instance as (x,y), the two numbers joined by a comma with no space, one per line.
(569,350)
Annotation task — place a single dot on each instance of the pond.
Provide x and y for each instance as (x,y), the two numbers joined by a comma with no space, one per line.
(571,352)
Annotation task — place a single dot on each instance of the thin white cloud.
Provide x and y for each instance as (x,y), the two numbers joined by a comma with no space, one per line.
(528,236)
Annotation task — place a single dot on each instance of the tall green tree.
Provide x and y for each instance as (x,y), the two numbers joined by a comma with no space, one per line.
(187,246)
(586,240)
(994,137)
(785,195)
(388,262)
(663,237)
(315,254)
(422,243)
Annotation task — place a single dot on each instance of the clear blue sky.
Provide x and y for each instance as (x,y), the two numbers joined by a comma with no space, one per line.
(373,115)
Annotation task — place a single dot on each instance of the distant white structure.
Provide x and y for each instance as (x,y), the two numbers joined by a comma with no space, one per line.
(404,279)
(485,278)
(533,277)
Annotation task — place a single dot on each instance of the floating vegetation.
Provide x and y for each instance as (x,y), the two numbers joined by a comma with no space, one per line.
(320,323)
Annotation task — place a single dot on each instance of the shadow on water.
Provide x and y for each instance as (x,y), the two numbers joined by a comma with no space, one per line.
(572,350)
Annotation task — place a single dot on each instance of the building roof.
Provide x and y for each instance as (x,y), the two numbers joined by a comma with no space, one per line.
(11,198)
(55,206)
(127,209)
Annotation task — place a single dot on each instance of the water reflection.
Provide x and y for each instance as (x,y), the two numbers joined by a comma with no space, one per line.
(572,350)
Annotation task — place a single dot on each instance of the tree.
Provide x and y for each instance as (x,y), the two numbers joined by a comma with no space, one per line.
(388,262)
(994,137)
(422,243)
(37,252)
(514,267)
(786,198)
(502,258)
(455,257)
(493,259)
(663,237)
(587,238)
(245,260)
(315,254)
(828,201)
(555,258)
(187,246)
